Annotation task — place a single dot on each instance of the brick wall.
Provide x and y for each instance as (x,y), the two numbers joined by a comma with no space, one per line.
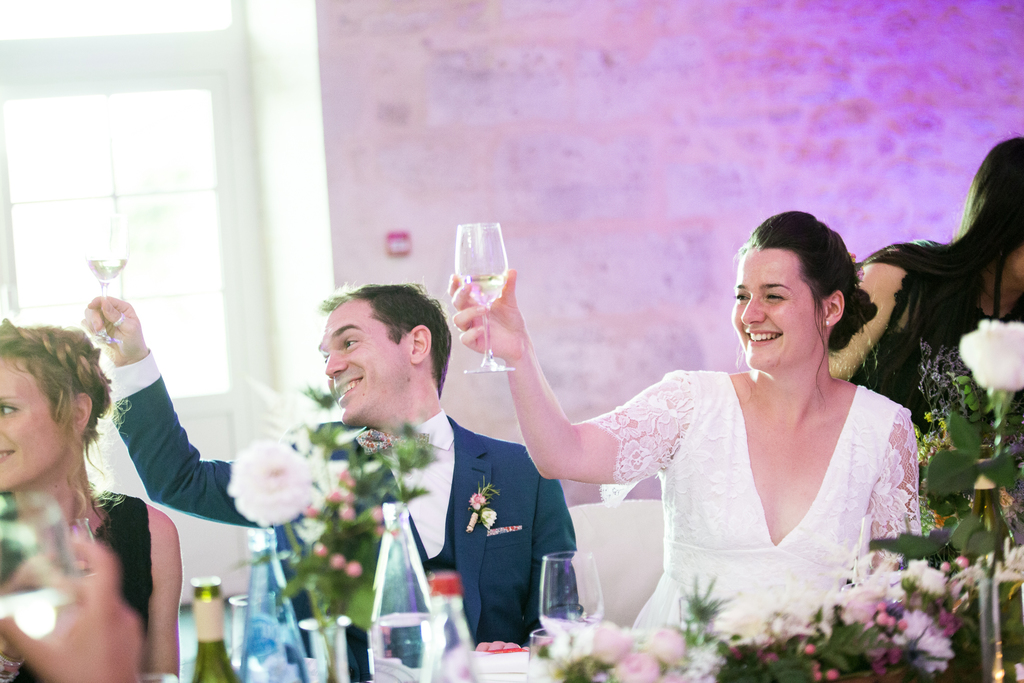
(628,147)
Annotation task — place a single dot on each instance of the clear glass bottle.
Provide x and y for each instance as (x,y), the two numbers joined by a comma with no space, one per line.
(400,604)
(272,650)
(449,654)
(212,662)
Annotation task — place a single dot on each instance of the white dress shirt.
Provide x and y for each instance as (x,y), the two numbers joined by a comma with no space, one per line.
(430,511)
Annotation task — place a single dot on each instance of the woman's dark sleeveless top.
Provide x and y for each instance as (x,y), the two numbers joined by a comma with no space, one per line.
(904,386)
(126,531)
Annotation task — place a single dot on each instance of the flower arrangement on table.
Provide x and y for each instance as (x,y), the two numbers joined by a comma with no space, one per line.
(910,624)
(326,491)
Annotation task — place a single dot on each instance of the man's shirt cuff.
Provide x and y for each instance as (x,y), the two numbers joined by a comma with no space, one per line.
(131,379)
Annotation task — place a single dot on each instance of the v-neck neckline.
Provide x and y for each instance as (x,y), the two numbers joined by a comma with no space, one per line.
(749,471)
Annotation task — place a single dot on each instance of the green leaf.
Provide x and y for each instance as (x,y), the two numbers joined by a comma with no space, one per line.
(965,436)
(981,542)
(968,525)
(1001,470)
(913,547)
(952,471)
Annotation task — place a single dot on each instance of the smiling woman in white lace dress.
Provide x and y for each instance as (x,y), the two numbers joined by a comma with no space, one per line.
(766,475)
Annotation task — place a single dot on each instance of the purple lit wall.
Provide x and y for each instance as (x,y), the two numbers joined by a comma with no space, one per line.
(628,147)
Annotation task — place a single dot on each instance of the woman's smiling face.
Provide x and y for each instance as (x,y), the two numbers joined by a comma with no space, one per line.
(775,312)
(34,449)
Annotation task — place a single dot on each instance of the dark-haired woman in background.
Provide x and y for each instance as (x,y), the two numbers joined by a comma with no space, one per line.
(765,474)
(52,396)
(936,293)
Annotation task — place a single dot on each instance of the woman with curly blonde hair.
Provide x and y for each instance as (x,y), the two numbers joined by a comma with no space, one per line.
(52,396)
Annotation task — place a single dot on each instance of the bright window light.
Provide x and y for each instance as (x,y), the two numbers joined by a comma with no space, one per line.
(73,161)
(21,19)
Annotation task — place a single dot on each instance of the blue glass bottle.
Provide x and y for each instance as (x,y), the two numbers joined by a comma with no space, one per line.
(272,650)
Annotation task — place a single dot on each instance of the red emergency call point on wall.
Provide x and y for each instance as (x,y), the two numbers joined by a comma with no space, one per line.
(399,243)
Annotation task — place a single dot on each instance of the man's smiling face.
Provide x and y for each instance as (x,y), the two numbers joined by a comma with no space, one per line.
(367,372)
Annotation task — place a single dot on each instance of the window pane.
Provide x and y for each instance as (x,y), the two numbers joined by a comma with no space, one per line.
(58,148)
(174,243)
(49,252)
(162,141)
(187,335)
(65,18)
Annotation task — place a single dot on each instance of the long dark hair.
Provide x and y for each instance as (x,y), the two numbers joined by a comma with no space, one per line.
(825,264)
(945,306)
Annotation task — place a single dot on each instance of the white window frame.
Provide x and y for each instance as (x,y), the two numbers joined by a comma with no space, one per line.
(216,61)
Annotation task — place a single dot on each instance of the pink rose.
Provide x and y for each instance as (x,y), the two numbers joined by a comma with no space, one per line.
(335,497)
(611,644)
(337,561)
(638,667)
(667,645)
(354,569)
(832,674)
(319,549)
(378,514)
(348,513)
(311,512)
(963,562)
(809,649)
(477,501)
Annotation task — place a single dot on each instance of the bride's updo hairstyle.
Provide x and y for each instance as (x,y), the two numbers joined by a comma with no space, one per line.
(825,264)
(64,364)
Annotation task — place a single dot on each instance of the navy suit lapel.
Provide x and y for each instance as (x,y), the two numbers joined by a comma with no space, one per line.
(471,470)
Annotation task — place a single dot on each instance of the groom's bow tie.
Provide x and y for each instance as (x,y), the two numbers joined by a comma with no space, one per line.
(374,441)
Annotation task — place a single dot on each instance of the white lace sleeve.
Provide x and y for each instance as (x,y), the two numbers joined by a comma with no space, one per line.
(894,507)
(648,428)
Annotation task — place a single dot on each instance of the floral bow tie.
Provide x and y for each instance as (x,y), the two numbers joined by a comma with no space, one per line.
(375,441)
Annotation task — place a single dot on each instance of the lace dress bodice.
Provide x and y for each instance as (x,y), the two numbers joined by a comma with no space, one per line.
(689,429)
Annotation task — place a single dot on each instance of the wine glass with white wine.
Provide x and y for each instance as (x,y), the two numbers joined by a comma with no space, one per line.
(481,263)
(37,568)
(106,254)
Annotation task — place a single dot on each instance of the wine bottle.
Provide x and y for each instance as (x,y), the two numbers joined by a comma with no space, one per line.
(212,662)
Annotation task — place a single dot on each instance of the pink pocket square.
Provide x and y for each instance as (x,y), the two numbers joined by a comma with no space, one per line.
(497,531)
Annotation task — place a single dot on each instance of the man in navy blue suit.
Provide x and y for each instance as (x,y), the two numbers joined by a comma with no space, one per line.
(386,350)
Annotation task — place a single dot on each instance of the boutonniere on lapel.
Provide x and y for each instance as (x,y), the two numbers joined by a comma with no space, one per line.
(478,505)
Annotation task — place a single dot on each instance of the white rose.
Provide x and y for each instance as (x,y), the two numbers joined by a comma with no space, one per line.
(271,483)
(927,579)
(995,354)
(487,517)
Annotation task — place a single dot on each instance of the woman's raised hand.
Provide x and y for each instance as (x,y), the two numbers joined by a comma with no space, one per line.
(120,321)
(508,329)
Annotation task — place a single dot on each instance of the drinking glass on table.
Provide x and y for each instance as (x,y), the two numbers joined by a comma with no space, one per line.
(36,563)
(106,254)
(570,592)
(480,262)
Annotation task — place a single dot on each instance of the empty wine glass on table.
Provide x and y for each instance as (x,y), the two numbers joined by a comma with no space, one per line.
(106,253)
(570,592)
(481,263)
(36,563)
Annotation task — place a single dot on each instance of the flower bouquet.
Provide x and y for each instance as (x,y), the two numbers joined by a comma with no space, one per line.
(326,491)
(906,624)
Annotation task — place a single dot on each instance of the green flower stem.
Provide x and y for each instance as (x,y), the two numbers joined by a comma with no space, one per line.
(314,602)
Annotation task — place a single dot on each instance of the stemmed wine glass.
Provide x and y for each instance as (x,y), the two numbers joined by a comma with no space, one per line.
(36,563)
(570,591)
(480,262)
(106,253)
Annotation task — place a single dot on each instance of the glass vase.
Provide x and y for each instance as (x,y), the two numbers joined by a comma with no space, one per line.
(330,648)
(401,608)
